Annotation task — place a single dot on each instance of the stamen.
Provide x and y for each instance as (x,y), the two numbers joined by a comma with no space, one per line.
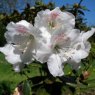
(51,24)
(57,48)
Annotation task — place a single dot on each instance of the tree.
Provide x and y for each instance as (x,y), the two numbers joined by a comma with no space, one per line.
(7,6)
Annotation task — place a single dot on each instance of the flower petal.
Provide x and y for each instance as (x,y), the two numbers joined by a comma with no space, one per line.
(73,34)
(45,35)
(27,56)
(43,51)
(76,57)
(55,65)
(80,54)
(18,32)
(11,53)
(18,67)
(60,37)
(88,34)
(54,19)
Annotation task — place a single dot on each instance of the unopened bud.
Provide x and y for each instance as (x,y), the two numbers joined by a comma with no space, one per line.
(76,5)
(86,74)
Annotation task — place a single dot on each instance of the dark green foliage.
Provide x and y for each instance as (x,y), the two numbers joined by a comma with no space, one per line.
(2,31)
(5,88)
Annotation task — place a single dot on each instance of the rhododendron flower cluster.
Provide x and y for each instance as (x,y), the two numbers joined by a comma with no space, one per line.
(52,39)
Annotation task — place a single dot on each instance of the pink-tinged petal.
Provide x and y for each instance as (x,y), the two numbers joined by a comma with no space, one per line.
(19,33)
(21,29)
(54,19)
(54,15)
(21,26)
(59,37)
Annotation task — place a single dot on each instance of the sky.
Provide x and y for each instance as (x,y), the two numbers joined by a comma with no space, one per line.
(90,4)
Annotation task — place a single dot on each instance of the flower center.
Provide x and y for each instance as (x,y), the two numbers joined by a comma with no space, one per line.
(51,20)
(57,48)
(51,24)
(31,37)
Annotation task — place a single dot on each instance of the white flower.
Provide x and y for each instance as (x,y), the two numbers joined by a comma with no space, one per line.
(52,39)
(62,43)
(22,39)
(81,48)
(53,20)
(64,46)
(50,21)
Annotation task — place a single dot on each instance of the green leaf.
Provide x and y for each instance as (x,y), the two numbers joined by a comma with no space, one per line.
(84,8)
(71,84)
(42,91)
(65,90)
(27,88)
(81,12)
